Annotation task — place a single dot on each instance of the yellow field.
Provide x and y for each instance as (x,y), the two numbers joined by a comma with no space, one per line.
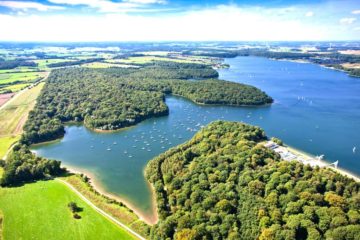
(16,87)
(351,65)
(13,116)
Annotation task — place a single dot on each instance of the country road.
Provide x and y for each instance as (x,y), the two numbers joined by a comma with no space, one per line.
(101,211)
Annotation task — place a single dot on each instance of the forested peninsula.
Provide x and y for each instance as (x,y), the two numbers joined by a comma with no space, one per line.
(224,184)
(113,98)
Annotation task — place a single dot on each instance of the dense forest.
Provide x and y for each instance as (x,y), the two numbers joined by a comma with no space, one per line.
(11,64)
(223,184)
(113,98)
(22,165)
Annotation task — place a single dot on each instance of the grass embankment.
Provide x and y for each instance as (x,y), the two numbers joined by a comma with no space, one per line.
(14,114)
(110,206)
(39,211)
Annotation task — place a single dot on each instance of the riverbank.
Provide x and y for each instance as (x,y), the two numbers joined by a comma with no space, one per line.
(98,187)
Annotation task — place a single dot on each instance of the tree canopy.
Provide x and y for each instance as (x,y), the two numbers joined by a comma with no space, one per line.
(113,98)
(224,184)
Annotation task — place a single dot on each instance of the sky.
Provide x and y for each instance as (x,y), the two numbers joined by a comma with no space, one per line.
(179,20)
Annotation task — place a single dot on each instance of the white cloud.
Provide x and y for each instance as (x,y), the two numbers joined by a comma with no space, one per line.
(347,21)
(309,14)
(224,23)
(146,1)
(356,11)
(28,5)
(113,7)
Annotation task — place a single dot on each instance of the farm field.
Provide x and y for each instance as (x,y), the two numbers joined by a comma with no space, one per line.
(19,70)
(8,78)
(14,114)
(42,63)
(17,81)
(39,211)
(5,97)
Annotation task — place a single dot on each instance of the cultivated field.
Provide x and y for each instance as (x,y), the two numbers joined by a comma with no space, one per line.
(5,97)
(44,62)
(13,116)
(39,211)
(19,80)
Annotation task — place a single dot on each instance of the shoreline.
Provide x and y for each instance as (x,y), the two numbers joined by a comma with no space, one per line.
(150,220)
(318,64)
(326,164)
(311,160)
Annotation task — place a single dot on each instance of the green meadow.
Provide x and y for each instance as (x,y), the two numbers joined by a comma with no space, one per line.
(42,63)
(8,78)
(16,81)
(39,211)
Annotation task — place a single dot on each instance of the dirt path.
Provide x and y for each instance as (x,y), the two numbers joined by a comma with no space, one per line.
(20,125)
(101,211)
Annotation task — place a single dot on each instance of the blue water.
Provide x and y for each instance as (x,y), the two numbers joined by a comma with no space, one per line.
(316,110)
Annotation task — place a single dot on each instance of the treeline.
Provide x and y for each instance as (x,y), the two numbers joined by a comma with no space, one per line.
(113,98)
(212,53)
(11,64)
(89,96)
(174,70)
(223,184)
(22,166)
(72,63)
(276,55)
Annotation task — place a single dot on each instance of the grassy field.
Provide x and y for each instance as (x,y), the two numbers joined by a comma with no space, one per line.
(19,69)
(8,78)
(6,142)
(16,87)
(19,80)
(119,212)
(39,211)
(13,115)
(42,63)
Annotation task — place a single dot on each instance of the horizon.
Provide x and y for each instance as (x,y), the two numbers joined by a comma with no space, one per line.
(178,20)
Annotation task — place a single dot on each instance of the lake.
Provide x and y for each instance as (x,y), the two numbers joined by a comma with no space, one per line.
(316,110)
